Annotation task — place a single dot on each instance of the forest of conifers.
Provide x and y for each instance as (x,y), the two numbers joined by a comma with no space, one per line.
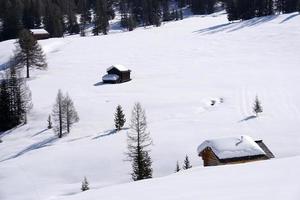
(61,17)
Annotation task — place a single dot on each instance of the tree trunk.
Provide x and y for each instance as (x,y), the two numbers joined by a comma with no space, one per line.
(27,67)
(60,121)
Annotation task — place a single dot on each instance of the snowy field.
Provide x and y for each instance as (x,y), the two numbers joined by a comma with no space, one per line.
(177,69)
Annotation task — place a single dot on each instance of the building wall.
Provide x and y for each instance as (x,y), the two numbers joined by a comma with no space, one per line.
(210,159)
(124,76)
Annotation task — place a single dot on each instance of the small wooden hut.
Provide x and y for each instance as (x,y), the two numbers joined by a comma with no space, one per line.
(117,74)
(233,150)
(40,34)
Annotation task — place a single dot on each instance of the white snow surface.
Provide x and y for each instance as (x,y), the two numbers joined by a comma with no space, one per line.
(232,147)
(110,77)
(39,31)
(119,67)
(179,68)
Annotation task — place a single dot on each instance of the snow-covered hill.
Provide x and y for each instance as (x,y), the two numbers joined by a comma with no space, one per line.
(177,70)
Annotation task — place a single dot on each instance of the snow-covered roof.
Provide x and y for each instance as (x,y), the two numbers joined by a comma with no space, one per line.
(110,77)
(119,67)
(232,147)
(39,31)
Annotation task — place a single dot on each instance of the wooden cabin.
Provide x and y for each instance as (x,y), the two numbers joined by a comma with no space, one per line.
(117,74)
(233,150)
(40,34)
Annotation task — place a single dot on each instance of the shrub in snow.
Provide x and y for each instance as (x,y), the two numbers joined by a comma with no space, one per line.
(85,185)
(257,108)
(177,169)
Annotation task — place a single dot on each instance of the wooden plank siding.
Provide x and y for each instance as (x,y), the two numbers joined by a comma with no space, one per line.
(210,159)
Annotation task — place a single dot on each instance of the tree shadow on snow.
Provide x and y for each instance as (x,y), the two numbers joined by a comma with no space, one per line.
(99,83)
(234,26)
(40,132)
(4,66)
(248,118)
(107,133)
(289,18)
(45,143)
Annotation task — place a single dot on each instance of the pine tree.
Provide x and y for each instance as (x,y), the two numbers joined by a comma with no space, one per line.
(257,108)
(15,99)
(53,19)
(85,185)
(57,115)
(138,142)
(119,118)
(177,169)
(29,53)
(49,122)
(5,114)
(85,16)
(72,26)
(11,18)
(69,112)
(186,164)
(101,18)
(166,11)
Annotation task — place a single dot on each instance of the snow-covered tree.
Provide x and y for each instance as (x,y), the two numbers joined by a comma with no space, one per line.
(257,108)
(119,118)
(138,145)
(85,185)
(186,163)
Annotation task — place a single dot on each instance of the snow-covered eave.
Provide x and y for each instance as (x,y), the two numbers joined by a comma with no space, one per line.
(118,67)
(230,149)
(38,31)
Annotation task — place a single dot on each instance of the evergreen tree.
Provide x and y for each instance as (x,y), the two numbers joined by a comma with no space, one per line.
(138,142)
(49,122)
(166,10)
(101,18)
(28,14)
(29,53)
(119,118)
(85,185)
(177,169)
(53,19)
(257,108)
(69,112)
(11,18)
(15,99)
(85,17)
(186,164)
(5,114)
(72,25)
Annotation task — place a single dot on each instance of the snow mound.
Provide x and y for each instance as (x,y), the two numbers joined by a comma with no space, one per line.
(232,147)
(110,77)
